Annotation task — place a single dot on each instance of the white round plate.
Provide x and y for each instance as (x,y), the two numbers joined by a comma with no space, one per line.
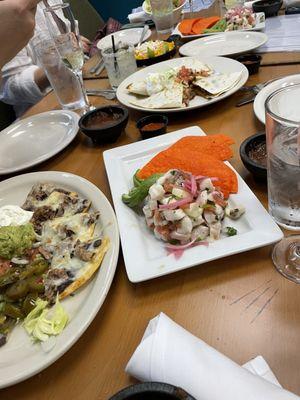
(224,44)
(129,36)
(219,64)
(260,99)
(35,139)
(19,357)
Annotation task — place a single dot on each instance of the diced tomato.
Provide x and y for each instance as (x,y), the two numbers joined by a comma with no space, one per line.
(4,266)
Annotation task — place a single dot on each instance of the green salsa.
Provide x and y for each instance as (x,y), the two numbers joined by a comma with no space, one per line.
(14,240)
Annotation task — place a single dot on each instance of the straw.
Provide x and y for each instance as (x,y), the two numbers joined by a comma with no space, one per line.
(114,50)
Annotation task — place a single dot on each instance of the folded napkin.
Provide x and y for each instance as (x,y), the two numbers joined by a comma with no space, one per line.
(168,353)
(139,16)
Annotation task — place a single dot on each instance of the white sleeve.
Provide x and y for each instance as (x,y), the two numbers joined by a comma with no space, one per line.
(18,85)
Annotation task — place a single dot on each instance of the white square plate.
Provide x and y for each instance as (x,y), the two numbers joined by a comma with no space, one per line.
(259,26)
(145,256)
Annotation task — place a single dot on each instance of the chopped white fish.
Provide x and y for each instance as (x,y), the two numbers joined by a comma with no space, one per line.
(210,217)
(147,211)
(202,198)
(234,212)
(197,221)
(152,204)
(185,226)
(180,193)
(193,211)
(173,215)
(215,230)
(206,184)
(200,233)
(156,192)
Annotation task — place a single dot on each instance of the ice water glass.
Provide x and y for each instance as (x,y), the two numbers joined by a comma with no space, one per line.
(283,147)
(63,81)
(120,64)
(162,12)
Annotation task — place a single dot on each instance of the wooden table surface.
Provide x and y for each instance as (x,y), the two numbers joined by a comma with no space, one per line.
(240,305)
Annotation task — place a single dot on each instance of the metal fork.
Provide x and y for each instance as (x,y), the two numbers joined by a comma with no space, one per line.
(256,88)
(253,90)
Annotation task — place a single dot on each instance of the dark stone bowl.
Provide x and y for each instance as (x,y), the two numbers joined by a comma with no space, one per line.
(258,170)
(152,391)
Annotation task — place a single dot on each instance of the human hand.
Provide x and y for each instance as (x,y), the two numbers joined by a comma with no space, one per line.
(86,44)
(17,22)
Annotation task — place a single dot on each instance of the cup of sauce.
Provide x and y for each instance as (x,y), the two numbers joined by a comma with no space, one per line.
(104,124)
(152,125)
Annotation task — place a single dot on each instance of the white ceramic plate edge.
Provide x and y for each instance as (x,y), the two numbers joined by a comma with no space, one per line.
(75,118)
(260,98)
(147,35)
(187,49)
(111,268)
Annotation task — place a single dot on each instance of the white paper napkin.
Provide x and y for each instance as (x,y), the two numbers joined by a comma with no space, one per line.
(168,353)
(140,16)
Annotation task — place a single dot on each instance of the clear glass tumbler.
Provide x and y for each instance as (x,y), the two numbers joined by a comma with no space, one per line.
(162,12)
(64,83)
(120,64)
(283,146)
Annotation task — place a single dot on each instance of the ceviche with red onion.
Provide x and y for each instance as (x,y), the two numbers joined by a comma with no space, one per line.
(183,210)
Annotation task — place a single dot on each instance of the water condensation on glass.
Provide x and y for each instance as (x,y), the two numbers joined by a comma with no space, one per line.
(63,81)
(283,142)
(119,65)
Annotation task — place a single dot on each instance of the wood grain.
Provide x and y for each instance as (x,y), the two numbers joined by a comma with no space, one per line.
(219,301)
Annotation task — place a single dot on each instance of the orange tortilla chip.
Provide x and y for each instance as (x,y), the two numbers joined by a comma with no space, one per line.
(200,155)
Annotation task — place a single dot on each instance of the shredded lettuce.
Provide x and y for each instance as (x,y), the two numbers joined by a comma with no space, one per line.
(42,322)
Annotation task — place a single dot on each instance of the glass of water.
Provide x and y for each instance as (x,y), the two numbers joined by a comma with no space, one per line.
(283,146)
(162,12)
(62,80)
(119,64)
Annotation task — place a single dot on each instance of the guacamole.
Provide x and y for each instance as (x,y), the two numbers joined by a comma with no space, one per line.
(14,240)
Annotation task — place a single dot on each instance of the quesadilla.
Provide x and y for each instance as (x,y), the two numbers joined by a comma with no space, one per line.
(217,84)
(168,98)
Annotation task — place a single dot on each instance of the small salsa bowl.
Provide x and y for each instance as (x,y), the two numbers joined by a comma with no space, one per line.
(152,125)
(151,391)
(269,7)
(256,164)
(251,62)
(104,124)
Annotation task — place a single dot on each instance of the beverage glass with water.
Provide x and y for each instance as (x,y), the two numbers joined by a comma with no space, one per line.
(63,81)
(283,147)
(162,12)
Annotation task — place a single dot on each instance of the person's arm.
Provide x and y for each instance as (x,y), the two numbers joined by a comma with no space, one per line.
(17,22)
(23,83)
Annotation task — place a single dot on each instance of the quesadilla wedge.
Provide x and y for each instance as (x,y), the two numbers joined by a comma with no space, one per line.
(168,98)
(217,84)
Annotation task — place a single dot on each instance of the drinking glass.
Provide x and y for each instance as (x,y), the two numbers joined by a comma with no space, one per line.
(119,64)
(162,12)
(63,81)
(283,146)
(64,30)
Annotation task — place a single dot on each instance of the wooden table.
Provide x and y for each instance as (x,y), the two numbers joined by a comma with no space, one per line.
(213,301)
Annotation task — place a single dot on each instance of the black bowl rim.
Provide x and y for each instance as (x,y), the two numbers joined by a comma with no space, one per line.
(262,3)
(158,387)
(143,121)
(108,126)
(252,57)
(153,60)
(244,155)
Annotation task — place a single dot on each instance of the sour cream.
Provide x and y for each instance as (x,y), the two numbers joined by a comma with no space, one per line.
(14,215)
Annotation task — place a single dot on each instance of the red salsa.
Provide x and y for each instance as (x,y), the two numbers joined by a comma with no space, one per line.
(153,126)
(101,120)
